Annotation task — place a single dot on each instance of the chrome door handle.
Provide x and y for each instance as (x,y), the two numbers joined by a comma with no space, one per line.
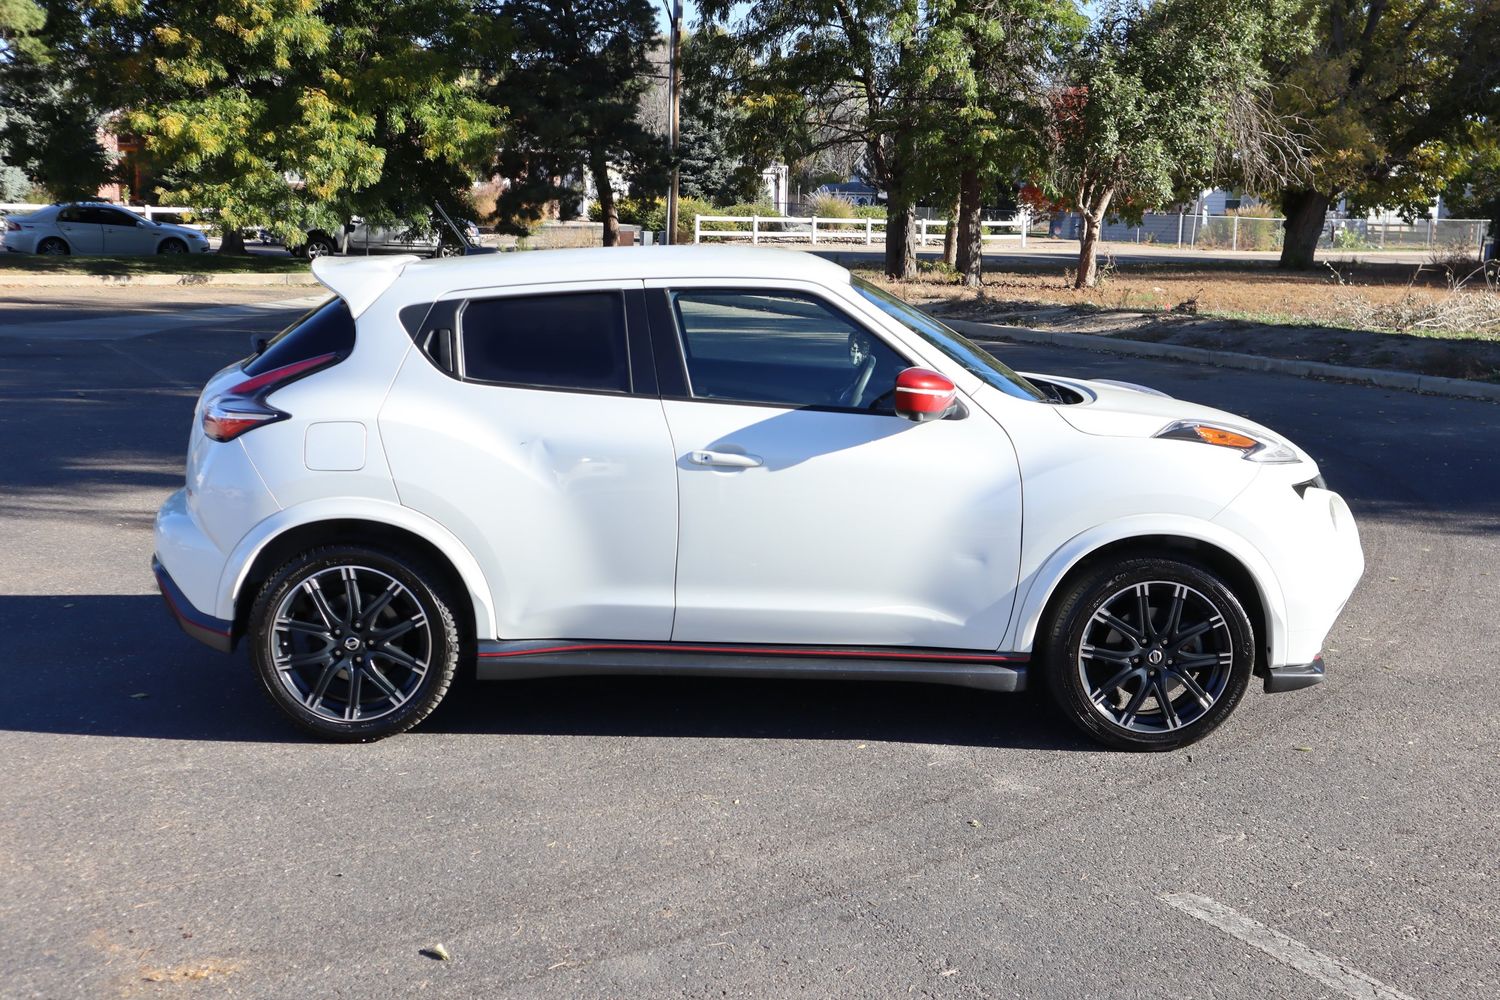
(724,459)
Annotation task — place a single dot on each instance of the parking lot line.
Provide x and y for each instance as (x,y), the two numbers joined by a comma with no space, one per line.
(1288,950)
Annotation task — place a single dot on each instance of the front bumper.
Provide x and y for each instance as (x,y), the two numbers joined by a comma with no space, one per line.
(213,632)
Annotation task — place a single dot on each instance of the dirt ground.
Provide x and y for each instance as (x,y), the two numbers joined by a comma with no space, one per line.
(1371,315)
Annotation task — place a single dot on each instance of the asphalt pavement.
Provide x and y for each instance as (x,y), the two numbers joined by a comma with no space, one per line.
(164,832)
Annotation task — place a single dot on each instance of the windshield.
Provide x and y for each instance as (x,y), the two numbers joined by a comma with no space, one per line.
(974,358)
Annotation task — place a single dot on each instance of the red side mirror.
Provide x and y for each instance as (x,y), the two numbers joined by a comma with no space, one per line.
(923,394)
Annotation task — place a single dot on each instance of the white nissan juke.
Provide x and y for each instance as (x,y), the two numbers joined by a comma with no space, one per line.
(728,461)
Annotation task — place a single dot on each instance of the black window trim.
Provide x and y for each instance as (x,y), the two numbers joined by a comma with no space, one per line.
(667,313)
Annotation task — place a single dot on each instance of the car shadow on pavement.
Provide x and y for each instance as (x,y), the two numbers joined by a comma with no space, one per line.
(117,666)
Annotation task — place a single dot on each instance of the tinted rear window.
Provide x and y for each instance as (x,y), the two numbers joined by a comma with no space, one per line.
(328,329)
(570,341)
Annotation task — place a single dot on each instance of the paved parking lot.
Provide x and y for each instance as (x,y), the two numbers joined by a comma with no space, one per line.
(164,833)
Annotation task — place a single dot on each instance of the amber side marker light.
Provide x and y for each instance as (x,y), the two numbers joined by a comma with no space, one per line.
(1253,449)
(1223,438)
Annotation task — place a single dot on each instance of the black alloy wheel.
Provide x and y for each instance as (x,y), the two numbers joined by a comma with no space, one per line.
(173,246)
(354,644)
(1149,654)
(52,247)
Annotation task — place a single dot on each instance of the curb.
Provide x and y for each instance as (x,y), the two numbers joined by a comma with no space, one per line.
(1457,388)
(289,278)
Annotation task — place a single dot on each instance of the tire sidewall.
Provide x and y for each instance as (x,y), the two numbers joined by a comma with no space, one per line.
(412,575)
(53,241)
(172,246)
(1060,656)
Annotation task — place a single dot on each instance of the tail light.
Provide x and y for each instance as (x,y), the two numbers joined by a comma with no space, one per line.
(243,407)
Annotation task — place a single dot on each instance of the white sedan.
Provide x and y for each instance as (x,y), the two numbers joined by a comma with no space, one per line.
(96,228)
(728,461)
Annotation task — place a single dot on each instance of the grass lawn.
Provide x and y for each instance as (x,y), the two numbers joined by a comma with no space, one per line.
(198,263)
(1377,296)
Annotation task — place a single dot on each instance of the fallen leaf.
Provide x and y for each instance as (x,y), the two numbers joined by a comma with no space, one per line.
(140,694)
(1303,749)
(975,823)
(437,952)
(948,972)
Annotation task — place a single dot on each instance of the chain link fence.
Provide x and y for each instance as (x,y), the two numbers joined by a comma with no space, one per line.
(1248,232)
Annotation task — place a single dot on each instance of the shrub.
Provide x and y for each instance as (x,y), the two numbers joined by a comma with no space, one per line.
(831,206)
(869,211)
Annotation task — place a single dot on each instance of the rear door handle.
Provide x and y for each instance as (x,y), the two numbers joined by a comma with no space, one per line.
(724,459)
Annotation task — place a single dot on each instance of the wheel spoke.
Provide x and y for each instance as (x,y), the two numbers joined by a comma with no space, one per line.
(1164,701)
(1117,656)
(307,628)
(1127,717)
(320,602)
(1112,685)
(1174,614)
(315,696)
(351,706)
(381,681)
(351,594)
(1194,688)
(1143,612)
(396,631)
(1193,632)
(305,660)
(1121,626)
(400,658)
(373,609)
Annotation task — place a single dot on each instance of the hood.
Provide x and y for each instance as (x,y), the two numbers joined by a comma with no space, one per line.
(1120,409)
(176,230)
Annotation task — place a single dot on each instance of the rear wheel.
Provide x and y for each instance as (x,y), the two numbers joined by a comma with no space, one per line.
(52,247)
(1149,653)
(354,643)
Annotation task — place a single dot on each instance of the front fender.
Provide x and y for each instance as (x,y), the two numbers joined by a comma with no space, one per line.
(1039,586)
(358,509)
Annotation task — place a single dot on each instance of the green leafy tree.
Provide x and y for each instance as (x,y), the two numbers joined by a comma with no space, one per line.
(1386,94)
(1475,191)
(1147,109)
(571,73)
(830,72)
(709,165)
(291,114)
(49,125)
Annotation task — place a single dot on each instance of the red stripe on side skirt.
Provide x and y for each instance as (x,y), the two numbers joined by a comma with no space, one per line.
(752,651)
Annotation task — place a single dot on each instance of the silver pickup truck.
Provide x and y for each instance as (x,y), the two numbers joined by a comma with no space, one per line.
(439,236)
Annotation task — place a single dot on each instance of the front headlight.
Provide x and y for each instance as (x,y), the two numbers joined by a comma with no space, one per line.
(1250,447)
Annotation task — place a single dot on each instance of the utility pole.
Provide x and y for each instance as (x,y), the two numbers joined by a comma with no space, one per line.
(674,12)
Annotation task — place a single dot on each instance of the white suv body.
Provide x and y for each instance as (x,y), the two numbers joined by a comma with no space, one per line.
(698,460)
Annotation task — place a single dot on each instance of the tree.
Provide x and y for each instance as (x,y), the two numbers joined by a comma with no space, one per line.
(572,74)
(1385,94)
(289,114)
(991,130)
(824,73)
(49,125)
(709,165)
(1475,191)
(1147,109)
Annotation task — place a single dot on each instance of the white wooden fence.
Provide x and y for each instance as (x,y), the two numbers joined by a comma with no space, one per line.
(817,228)
(149,211)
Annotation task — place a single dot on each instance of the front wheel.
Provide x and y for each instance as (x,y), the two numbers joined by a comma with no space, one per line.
(1149,653)
(172,246)
(353,643)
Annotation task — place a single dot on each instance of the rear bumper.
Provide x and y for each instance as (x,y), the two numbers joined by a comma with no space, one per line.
(1294,676)
(215,633)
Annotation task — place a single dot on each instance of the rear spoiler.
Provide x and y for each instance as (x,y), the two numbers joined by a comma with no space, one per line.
(359,281)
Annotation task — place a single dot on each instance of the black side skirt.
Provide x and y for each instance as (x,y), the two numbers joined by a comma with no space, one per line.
(1294,676)
(211,631)
(991,671)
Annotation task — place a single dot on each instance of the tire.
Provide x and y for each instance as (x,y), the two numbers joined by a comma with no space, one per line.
(447,249)
(1160,687)
(52,246)
(317,246)
(172,246)
(332,673)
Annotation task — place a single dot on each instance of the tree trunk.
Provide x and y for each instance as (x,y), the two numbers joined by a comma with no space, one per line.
(232,243)
(609,212)
(900,239)
(950,236)
(1305,213)
(1088,251)
(970,262)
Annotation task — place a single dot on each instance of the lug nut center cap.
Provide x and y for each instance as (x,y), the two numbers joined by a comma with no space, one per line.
(352,642)
(1155,656)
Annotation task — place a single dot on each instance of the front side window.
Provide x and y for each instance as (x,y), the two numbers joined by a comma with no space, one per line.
(783,348)
(574,340)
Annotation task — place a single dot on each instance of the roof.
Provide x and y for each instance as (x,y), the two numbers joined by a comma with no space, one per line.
(361,280)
